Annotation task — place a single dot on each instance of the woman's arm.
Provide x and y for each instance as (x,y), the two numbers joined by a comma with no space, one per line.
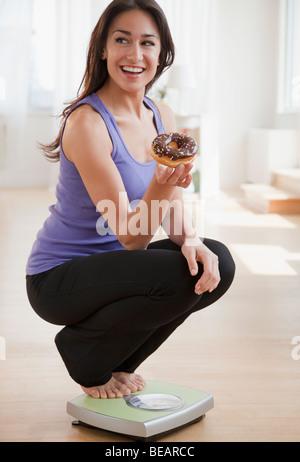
(181,231)
(179,226)
(87,144)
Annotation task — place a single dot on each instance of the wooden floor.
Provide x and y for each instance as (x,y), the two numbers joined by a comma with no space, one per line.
(240,350)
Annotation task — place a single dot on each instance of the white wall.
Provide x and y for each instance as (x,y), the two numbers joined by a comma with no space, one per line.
(29,168)
(247,78)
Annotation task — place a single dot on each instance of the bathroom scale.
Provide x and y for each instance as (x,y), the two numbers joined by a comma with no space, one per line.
(145,415)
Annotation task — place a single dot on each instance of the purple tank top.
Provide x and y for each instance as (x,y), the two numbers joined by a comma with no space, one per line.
(75,228)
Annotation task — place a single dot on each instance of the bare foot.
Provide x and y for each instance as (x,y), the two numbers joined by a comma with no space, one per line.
(112,389)
(134,382)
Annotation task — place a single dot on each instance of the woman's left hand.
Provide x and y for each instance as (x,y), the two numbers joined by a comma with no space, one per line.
(195,251)
(179,176)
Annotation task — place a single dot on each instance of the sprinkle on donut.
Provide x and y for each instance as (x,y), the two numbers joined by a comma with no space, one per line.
(175,146)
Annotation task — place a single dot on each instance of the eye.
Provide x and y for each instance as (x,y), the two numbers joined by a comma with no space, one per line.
(148,43)
(121,40)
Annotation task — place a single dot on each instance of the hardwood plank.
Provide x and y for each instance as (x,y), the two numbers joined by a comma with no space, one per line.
(239,350)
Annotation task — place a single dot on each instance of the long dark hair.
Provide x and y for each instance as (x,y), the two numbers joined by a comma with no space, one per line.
(96,68)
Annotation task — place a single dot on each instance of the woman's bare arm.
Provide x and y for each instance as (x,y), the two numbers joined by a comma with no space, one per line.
(87,144)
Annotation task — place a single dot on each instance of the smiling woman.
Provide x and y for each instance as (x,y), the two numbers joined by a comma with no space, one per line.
(104,152)
(134,51)
(96,72)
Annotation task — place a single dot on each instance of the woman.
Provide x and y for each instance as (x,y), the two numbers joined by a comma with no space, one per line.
(118,295)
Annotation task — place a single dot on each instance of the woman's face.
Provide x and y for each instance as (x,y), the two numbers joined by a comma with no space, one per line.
(132,50)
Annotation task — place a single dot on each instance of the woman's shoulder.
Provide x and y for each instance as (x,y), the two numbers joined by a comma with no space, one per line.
(167,115)
(85,128)
(82,116)
(85,120)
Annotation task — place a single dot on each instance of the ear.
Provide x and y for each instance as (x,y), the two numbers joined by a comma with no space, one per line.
(104,56)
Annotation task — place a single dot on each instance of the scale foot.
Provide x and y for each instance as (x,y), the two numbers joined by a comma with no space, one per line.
(78,423)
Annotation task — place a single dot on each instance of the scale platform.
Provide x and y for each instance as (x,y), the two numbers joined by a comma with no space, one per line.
(146,415)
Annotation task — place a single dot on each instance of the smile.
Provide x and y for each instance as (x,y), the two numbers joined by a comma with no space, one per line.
(132,70)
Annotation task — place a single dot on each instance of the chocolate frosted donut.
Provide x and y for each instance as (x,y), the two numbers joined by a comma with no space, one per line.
(172,149)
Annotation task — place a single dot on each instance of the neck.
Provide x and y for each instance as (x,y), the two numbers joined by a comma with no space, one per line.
(122,102)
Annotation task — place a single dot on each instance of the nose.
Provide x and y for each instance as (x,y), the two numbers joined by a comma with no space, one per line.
(135,53)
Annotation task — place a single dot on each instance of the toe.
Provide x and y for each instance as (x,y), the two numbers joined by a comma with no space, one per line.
(95,393)
(125,389)
(103,394)
(119,394)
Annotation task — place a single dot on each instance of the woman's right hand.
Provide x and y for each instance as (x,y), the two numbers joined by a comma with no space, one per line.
(179,176)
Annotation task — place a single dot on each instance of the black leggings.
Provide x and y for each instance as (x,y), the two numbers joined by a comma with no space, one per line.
(119,307)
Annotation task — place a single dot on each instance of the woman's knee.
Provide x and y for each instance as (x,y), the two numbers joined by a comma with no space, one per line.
(226,261)
(227,265)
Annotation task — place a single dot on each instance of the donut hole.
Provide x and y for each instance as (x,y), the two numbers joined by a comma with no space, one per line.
(173,145)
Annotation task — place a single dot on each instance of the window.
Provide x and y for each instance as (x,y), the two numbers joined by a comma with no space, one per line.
(289,86)
(43,55)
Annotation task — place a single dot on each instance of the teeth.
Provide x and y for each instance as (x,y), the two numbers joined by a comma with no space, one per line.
(136,70)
